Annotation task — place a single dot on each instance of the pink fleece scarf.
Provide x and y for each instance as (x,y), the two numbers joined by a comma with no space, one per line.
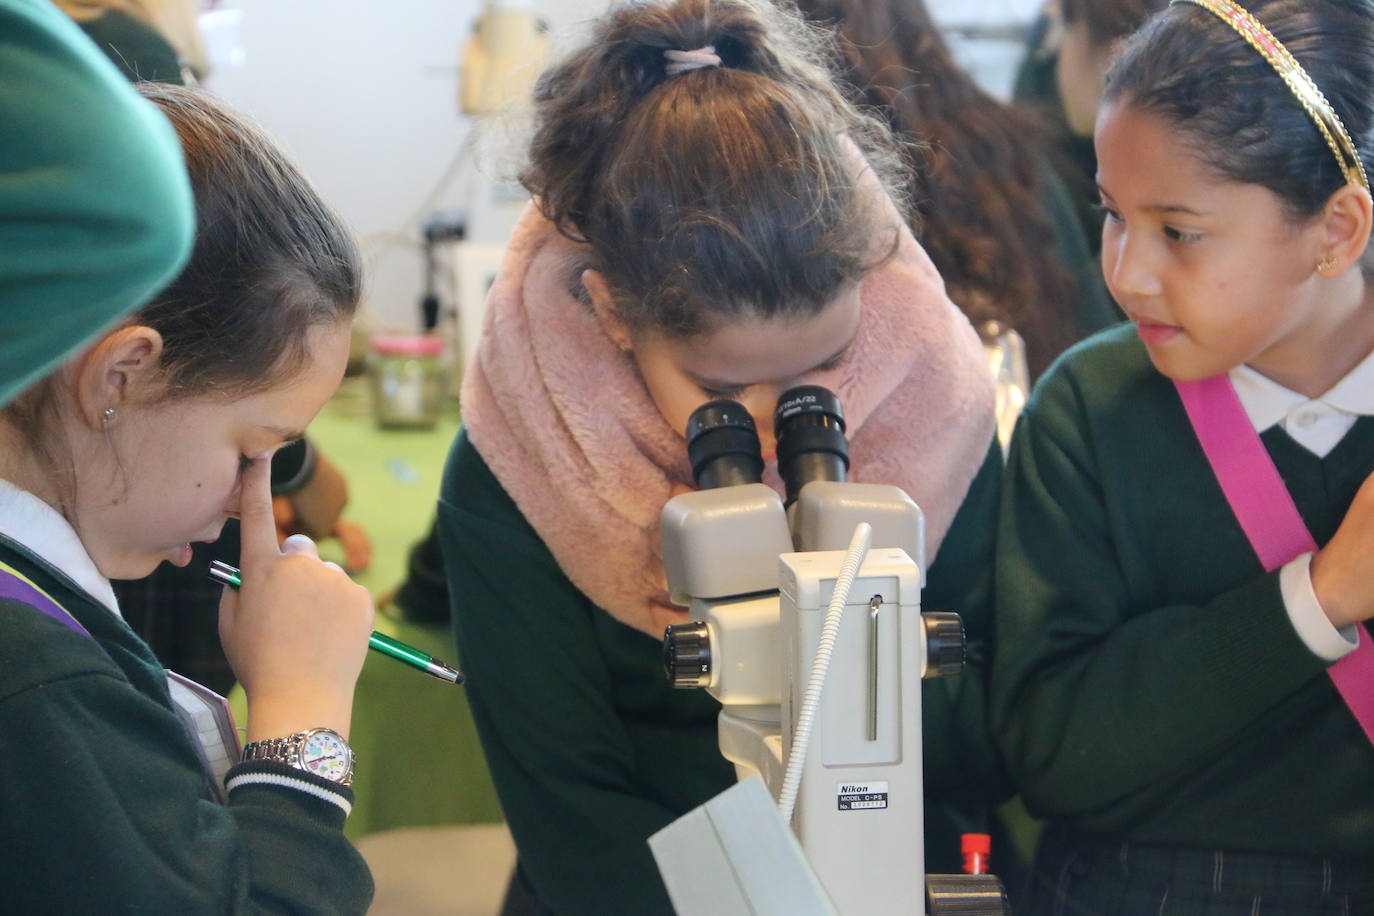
(561,416)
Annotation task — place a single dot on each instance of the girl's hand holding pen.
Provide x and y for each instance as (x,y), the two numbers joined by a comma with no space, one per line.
(296,633)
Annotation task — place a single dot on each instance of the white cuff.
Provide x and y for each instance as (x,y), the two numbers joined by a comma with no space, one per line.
(254,777)
(1305,611)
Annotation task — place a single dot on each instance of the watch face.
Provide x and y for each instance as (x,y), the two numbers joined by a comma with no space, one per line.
(326,754)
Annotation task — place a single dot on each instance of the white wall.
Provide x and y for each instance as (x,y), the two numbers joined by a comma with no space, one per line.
(364,95)
(984,11)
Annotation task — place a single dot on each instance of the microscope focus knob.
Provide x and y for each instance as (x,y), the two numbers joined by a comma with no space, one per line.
(687,654)
(944,643)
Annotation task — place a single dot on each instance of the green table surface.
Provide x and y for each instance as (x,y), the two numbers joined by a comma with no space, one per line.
(418,759)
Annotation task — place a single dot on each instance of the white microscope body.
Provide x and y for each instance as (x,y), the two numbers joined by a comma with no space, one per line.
(758,579)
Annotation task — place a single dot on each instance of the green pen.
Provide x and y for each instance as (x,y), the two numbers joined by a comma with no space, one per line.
(228,575)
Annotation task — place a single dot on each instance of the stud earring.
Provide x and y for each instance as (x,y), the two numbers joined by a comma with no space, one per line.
(108,416)
(1325,264)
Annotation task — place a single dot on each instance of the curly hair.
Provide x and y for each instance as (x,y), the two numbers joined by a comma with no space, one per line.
(717,193)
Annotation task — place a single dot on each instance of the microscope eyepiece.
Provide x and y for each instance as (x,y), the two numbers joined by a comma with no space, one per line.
(809,425)
(723,446)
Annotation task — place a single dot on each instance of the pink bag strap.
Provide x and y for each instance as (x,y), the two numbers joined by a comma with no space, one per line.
(1267,514)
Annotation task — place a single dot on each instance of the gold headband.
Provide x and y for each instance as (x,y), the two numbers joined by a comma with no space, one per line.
(1292,73)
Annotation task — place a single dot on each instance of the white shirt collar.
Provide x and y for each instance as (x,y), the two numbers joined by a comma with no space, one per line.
(38,526)
(1267,402)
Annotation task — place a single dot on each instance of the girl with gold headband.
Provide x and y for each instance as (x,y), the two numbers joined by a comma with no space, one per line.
(1183,685)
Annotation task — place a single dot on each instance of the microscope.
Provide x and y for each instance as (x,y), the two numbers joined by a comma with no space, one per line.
(806,624)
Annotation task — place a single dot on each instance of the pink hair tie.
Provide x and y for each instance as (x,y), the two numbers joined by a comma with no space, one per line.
(682,61)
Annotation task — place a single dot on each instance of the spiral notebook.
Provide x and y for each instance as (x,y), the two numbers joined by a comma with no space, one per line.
(209,722)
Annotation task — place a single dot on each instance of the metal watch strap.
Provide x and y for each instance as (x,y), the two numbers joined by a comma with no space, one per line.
(280,750)
(287,751)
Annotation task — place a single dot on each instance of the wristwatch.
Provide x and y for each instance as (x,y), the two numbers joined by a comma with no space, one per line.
(321,751)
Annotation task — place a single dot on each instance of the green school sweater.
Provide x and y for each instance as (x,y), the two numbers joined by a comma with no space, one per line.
(1148,683)
(591,750)
(95,209)
(103,801)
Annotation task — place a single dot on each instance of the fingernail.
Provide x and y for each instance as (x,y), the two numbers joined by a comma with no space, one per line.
(264,456)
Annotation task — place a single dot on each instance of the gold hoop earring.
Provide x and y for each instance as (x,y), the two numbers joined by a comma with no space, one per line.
(1326,264)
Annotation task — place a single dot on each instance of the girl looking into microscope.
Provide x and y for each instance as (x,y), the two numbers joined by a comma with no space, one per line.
(1182,682)
(712,219)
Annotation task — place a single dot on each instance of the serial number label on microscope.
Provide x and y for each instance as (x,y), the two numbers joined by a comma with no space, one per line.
(861,796)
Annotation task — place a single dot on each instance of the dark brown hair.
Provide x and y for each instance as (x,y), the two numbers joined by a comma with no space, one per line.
(977,183)
(270,263)
(1239,117)
(718,193)
(1109,20)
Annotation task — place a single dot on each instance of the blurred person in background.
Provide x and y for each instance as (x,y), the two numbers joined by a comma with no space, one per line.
(1060,83)
(991,212)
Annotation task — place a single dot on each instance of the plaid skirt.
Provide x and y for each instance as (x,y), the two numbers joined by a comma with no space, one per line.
(1076,876)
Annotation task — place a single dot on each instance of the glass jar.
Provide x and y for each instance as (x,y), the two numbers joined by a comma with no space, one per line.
(407,378)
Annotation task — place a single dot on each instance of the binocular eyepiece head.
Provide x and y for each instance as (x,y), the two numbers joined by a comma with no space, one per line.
(723,443)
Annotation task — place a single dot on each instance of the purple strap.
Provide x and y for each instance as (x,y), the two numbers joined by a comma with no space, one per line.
(16,589)
(1267,514)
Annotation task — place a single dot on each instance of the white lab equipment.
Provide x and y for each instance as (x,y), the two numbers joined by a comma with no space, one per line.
(837,576)
(500,62)
(503,56)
